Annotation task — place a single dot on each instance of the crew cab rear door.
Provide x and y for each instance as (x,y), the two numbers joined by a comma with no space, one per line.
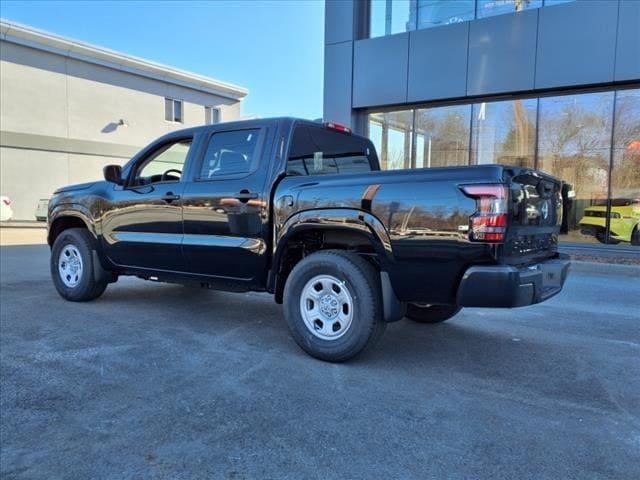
(225,205)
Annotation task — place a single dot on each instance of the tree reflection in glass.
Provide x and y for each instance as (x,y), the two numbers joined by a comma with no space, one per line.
(575,146)
(442,136)
(504,133)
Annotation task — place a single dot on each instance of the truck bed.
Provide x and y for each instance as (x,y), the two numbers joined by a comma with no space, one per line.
(426,216)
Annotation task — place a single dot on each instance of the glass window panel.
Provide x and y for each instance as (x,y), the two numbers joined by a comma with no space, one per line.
(574,134)
(549,3)
(170,157)
(230,153)
(489,8)
(446,135)
(395,138)
(168,109)
(211,115)
(377,18)
(504,132)
(387,17)
(396,148)
(403,16)
(432,13)
(625,174)
(419,150)
(177,111)
(375,134)
(320,151)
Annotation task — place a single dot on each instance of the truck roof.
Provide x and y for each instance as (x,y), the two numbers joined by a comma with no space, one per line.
(288,121)
(246,123)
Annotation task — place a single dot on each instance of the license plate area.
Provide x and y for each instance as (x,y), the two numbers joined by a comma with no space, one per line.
(553,273)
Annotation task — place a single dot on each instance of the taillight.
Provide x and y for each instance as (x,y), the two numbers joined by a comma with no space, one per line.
(6,201)
(337,126)
(489,222)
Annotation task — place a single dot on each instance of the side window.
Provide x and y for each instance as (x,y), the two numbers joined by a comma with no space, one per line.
(320,151)
(211,115)
(164,165)
(173,110)
(230,153)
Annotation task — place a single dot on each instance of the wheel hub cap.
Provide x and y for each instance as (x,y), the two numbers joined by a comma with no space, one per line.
(326,306)
(70,266)
(329,306)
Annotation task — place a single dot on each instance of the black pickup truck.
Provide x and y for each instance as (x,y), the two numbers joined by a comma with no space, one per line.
(302,210)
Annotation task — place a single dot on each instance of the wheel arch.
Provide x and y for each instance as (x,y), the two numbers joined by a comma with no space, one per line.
(61,220)
(312,230)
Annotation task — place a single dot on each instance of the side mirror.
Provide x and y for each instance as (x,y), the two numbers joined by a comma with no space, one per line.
(113,174)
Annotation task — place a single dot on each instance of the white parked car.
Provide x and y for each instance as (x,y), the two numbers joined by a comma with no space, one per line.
(42,209)
(5,209)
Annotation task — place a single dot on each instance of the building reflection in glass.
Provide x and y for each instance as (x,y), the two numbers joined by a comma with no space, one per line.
(589,140)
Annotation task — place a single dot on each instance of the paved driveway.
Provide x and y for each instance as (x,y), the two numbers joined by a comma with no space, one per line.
(163,381)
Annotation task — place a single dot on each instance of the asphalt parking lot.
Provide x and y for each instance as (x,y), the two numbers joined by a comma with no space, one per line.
(163,381)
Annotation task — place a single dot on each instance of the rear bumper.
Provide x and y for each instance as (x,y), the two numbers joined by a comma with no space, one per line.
(507,287)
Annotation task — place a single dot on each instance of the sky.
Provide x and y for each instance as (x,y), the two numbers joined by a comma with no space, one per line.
(273,48)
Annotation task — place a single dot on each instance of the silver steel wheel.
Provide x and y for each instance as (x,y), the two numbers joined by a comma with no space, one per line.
(70,265)
(326,307)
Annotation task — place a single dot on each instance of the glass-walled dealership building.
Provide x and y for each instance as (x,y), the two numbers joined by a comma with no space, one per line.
(548,84)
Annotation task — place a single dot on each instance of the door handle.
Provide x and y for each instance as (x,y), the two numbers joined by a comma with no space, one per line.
(245,195)
(170,197)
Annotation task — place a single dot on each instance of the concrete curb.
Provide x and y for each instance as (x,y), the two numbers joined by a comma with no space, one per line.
(23,224)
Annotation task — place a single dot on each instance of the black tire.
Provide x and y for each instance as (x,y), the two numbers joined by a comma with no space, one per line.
(431,313)
(86,288)
(362,283)
(635,236)
(601,236)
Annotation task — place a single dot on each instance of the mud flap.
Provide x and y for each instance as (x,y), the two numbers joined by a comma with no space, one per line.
(393,308)
(99,272)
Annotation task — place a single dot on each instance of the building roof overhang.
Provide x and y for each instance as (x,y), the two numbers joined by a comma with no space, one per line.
(41,40)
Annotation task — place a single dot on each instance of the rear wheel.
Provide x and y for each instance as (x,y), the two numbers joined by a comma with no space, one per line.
(72,267)
(332,305)
(424,313)
(601,236)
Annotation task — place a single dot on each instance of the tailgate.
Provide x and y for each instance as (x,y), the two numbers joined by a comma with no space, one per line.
(535,216)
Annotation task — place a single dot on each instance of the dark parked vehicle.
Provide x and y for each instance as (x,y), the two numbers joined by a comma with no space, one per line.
(302,210)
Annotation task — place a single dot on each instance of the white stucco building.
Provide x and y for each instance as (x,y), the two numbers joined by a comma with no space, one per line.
(68,108)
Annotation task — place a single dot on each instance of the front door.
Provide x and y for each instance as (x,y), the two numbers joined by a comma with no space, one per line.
(142,227)
(225,208)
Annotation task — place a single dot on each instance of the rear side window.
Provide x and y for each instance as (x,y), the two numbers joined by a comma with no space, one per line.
(320,151)
(230,153)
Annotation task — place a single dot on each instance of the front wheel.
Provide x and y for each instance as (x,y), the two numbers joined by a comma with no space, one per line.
(332,305)
(431,313)
(72,266)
